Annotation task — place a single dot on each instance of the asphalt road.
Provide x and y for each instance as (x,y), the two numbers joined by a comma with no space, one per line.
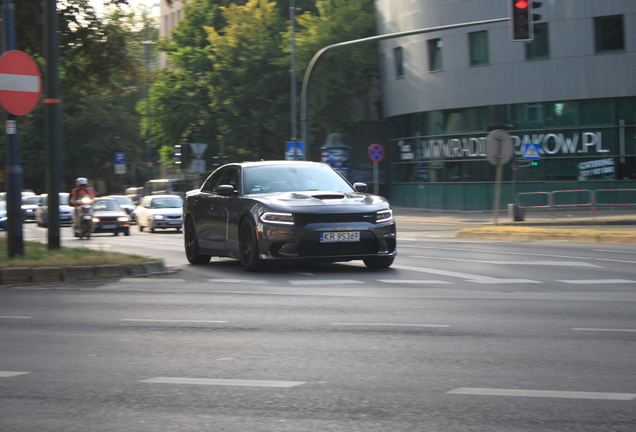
(458,335)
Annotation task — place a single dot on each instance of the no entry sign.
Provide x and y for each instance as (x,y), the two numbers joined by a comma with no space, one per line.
(20,82)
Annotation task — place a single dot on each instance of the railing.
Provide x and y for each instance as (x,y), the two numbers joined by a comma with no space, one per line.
(590,200)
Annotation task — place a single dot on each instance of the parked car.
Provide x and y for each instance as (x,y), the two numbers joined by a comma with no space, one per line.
(109,217)
(65,209)
(29,206)
(286,210)
(125,202)
(3,215)
(159,211)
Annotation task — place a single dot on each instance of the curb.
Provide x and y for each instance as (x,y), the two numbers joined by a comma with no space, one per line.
(604,238)
(42,275)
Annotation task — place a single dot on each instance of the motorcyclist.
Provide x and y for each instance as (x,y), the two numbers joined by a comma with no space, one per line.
(80,191)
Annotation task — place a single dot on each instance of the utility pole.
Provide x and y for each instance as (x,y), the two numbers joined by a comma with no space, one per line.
(292,20)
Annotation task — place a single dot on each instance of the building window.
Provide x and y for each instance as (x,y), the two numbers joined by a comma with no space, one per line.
(434,54)
(609,34)
(539,48)
(399,65)
(478,42)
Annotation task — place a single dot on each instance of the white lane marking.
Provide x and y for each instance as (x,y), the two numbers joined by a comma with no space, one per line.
(325,282)
(411,281)
(597,281)
(523,253)
(605,330)
(543,394)
(612,251)
(239,281)
(519,263)
(14,317)
(174,321)
(9,374)
(465,276)
(223,382)
(143,279)
(391,325)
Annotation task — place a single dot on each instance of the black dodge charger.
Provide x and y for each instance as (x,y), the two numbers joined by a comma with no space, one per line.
(286,210)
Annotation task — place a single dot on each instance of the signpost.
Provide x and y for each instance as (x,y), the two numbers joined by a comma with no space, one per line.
(20,89)
(499,151)
(376,154)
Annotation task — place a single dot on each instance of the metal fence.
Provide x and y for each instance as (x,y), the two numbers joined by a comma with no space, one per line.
(579,199)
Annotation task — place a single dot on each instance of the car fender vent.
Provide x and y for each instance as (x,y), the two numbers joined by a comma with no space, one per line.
(328,196)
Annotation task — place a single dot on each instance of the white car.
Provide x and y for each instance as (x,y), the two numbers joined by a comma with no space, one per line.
(159,211)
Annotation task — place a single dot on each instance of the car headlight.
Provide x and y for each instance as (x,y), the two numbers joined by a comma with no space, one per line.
(96,220)
(157,217)
(278,218)
(384,216)
(123,219)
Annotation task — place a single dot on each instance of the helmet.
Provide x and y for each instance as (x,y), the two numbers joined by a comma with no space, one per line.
(81,181)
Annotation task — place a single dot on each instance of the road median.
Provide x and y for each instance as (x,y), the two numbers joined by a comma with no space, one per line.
(547,234)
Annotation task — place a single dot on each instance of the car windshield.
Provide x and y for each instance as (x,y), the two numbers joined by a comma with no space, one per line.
(175,202)
(3,206)
(64,199)
(30,200)
(291,178)
(124,200)
(109,205)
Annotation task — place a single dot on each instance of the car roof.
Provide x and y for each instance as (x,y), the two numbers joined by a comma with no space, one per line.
(276,162)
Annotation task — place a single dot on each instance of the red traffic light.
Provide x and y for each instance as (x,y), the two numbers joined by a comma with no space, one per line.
(522,4)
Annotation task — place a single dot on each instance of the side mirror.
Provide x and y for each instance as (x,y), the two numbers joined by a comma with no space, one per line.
(225,190)
(360,187)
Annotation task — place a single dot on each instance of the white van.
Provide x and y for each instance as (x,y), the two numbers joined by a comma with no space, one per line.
(168,187)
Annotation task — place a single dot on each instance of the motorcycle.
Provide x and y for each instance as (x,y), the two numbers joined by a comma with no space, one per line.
(83,225)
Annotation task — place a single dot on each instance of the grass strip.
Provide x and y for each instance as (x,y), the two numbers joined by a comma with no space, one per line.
(38,255)
(540,230)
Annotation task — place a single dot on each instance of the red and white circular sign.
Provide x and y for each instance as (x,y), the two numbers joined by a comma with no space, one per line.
(20,82)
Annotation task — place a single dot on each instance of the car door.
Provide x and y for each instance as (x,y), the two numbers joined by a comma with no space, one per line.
(201,208)
(220,208)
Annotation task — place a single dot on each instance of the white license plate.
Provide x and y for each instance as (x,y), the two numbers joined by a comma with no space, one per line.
(108,226)
(338,237)
(174,222)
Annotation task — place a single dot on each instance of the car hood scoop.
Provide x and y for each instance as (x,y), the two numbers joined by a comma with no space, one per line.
(326,196)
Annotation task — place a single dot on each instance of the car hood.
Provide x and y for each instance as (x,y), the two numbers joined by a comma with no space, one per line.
(322,201)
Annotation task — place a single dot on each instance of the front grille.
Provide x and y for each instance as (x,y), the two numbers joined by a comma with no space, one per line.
(310,246)
(301,220)
(108,218)
(174,217)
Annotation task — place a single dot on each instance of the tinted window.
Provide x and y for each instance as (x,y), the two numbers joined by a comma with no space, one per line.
(109,205)
(288,178)
(212,182)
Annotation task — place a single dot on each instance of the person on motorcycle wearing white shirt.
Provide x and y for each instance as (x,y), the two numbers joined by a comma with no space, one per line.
(80,191)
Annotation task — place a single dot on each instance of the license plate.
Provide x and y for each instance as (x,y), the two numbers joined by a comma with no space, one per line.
(107,226)
(175,222)
(340,237)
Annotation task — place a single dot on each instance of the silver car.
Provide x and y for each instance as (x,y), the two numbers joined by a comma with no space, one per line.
(159,212)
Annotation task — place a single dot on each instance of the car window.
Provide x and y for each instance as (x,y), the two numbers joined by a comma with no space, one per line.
(64,199)
(288,178)
(30,200)
(230,177)
(108,205)
(213,181)
(124,200)
(166,203)
(3,206)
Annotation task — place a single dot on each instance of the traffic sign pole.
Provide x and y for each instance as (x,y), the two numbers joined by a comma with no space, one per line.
(15,236)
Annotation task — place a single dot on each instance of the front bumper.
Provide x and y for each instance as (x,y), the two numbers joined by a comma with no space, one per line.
(166,223)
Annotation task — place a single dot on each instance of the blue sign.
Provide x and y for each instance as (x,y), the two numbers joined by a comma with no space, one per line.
(300,151)
(376,152)
(531,151)
(120,163)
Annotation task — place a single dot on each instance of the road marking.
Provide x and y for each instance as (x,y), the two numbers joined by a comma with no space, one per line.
(605,330)
(175,321)
(466,276)
(612,251)
(543,394)
(223,382)
(523,253)
(597,281)
(325,282)
(391,325)
(239,281)
(14,317)
(9,374)
(140,280)
(411,281)
(518,263)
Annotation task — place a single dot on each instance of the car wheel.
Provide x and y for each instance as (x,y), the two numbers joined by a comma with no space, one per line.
(152,229)
(192,245)
(127,232)
(141,228)
(248,246)
(116,234)
(378,262)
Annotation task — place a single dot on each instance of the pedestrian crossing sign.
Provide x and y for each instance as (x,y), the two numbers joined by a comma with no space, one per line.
(531,151)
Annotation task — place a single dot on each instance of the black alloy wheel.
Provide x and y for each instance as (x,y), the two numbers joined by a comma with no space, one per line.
(248,245)
(378,262)
(192,245)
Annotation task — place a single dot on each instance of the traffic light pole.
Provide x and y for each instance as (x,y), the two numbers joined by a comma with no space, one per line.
(306,81)
(15,237)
